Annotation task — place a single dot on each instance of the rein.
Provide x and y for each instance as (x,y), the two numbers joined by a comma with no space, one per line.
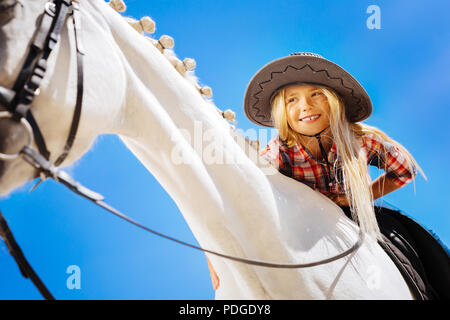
(18,102)
(49,170)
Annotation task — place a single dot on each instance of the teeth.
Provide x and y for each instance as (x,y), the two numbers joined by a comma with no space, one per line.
(310,118)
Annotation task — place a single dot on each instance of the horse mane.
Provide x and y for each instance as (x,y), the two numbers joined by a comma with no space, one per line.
(145,26)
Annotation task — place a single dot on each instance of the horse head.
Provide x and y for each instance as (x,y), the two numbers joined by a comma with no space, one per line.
(17,24)
(54,102)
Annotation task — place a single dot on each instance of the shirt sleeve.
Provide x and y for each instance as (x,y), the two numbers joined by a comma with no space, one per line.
(384,155)
(272,153)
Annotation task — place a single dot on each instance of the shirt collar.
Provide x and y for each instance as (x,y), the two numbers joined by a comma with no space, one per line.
(303,155)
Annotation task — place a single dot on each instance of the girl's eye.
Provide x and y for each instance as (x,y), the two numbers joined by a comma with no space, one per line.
(317,94)
(291,100)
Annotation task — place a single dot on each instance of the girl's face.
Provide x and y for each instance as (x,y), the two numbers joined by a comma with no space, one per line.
(307,109)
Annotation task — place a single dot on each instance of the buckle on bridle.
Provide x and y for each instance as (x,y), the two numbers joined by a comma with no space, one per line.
(30,91)
(27,126)
(50,8)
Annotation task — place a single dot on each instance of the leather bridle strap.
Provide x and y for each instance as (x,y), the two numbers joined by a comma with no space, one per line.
(79,100)
(24,266)
(18,100)
(33,71)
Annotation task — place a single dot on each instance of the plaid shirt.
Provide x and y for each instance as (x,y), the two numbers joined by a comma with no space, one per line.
(297,163)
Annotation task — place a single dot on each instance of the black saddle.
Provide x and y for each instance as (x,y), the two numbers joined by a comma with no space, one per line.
(422,259)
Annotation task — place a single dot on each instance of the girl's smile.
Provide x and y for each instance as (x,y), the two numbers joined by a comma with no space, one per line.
(309,119)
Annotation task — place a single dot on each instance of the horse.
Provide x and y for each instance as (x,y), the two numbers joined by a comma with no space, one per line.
(242,206)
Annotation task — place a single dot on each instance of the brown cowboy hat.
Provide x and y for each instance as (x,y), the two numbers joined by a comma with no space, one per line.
(303,68)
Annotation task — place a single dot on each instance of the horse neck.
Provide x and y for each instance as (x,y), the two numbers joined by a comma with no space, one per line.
(160,111)
(232,207)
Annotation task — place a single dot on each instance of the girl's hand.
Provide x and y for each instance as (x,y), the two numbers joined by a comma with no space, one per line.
(214,277)
(339,199)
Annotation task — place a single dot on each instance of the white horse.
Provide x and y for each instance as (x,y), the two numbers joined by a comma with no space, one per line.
(239,208)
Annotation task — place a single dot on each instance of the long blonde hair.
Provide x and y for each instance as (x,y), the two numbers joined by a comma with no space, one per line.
(346,135)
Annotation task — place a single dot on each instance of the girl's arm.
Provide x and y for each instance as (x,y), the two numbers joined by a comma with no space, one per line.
(380,187)
(383,185)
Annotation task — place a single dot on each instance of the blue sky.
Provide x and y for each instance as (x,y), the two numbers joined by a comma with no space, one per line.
(403,66)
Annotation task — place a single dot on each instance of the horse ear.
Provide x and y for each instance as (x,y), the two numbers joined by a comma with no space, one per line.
(118,5)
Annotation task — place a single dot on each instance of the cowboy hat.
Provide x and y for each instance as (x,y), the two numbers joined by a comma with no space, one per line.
(303,68)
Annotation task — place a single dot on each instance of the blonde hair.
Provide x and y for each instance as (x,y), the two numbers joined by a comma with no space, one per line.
(356,177)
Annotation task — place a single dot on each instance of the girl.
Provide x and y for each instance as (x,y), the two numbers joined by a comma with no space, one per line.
(317,106)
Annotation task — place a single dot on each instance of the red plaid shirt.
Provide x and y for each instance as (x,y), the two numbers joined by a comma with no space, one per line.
(298,163)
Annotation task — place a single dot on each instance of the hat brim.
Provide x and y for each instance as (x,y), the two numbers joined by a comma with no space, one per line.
(306,69)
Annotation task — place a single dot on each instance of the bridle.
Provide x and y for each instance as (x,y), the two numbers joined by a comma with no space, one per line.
(18,102)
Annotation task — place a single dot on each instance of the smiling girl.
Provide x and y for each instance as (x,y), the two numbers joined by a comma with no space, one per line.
(312,129)
(316,107)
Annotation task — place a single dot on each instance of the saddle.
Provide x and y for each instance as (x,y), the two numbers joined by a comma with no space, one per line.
(422,259)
